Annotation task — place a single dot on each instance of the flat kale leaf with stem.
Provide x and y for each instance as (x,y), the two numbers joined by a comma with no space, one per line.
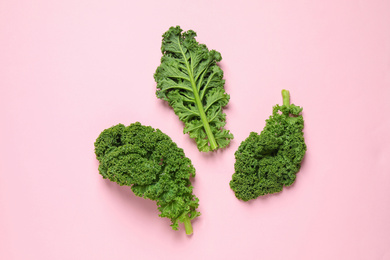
(192,83)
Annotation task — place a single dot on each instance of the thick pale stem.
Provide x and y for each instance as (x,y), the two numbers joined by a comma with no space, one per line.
(199,105)
(198,102)
(188,226)
(286,97)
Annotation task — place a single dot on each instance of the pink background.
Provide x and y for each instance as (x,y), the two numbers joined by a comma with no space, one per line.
(69,69)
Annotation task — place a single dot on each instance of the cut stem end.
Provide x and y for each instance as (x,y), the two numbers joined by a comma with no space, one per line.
(286,97)
(188,226)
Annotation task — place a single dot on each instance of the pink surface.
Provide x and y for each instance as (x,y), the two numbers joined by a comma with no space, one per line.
(69,69)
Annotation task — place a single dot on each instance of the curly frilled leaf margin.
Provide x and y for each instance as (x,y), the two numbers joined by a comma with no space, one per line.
(153,166)
(269,161)
(192,83)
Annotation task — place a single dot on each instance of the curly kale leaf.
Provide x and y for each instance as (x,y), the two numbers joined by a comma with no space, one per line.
(268,161)
(153,166)
(192,83)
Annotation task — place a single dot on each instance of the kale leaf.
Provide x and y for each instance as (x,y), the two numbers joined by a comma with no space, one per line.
(192,83)
(151,163)
(268,161)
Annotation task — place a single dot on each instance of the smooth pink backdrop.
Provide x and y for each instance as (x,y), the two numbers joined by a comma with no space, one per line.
(69,69)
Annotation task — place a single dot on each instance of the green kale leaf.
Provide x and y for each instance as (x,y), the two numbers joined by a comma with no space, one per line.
(190,80)
(268,161)
(153,166)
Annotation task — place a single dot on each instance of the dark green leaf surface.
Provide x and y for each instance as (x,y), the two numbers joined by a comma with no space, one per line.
(153,166)
(192,82)
(268,161)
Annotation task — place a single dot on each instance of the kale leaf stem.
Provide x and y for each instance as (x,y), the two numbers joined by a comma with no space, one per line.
(188,226)
(286,97)
(198,102)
